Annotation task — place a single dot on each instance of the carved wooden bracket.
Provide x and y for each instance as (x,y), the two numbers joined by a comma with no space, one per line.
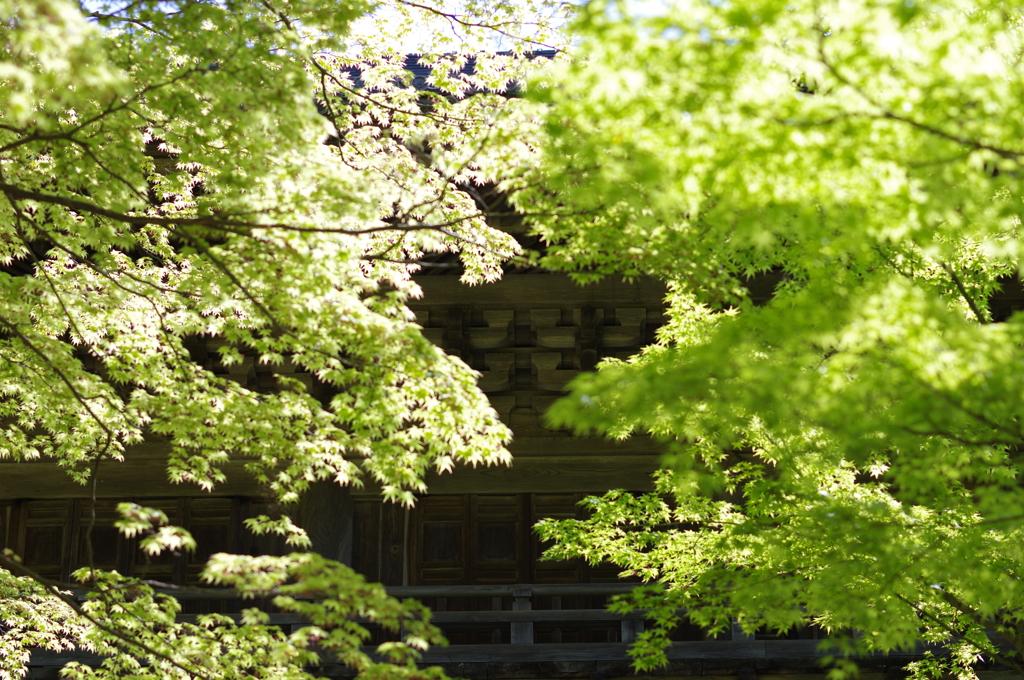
(630,331)
(498,377)
(549,333)
(496,333)
(549,376)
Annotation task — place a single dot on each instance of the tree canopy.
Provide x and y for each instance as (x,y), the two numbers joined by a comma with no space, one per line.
(265,173)
(847,454)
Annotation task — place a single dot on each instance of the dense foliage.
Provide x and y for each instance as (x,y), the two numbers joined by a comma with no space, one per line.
(265,173)
(848,454)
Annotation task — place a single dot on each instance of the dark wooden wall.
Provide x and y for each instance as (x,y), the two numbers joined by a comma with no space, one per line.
(379,541)
(528,335)
(469,539)
(51,536)
(454,539)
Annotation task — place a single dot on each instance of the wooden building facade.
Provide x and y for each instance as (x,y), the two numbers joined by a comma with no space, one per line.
(467,548)
(527,335)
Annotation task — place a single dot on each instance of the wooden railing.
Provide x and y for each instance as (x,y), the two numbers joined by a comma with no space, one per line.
(737,653)
(521,618)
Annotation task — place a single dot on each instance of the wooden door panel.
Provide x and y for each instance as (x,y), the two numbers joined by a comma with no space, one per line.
(553,506)
(250,543)
(211,522)
(496,526)
(442,542)
(441,525)
(109,548)
(44,537)
(166,566)
(366,538)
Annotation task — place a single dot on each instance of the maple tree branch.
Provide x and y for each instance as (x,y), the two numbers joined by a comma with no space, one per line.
(963,293)
(52,587)
(453,18)
(886,112)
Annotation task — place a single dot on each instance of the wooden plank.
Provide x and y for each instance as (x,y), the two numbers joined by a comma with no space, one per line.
(584,651)
(565,474)
(543,447)
(43,658)
(402,592)
(539,589)
(393,543)
(144,467)
(526,290)
(729,655)
(823,676)
(550,616)
(735,654)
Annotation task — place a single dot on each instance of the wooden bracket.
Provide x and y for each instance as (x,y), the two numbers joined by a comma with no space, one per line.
(629,332)
(549,376)
(496,332)
(498,376)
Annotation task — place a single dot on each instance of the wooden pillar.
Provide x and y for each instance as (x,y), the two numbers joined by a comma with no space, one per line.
(393,541)
(326,512)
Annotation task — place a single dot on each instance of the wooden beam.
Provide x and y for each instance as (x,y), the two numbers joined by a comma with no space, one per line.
(538,589)
(506,616)
(548,616)
(136,476)
(736,654)
(551,474)
(540,465)
(547,447)
(420,592)
(721,656)
(532,291)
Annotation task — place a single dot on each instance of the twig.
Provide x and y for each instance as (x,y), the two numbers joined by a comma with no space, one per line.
(963,292)
(132,640)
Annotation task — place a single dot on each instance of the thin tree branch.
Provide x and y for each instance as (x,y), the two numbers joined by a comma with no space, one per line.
(963,292)
(131,640)
(886,112)
(455,18)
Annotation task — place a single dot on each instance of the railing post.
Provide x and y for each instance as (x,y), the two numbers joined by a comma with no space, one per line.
(556,633)
(631,628)
(522,631)
(737,632)
(496,633)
